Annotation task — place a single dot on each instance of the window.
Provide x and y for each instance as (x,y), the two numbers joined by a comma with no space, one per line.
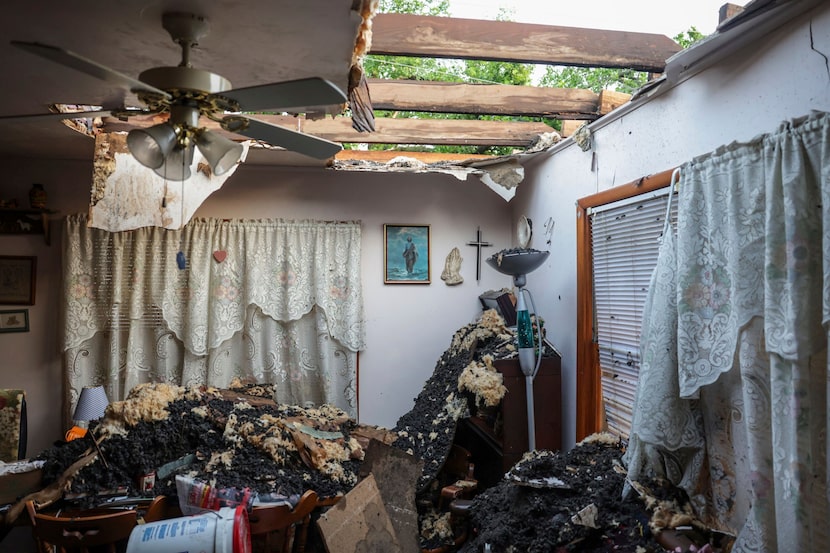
(617,237)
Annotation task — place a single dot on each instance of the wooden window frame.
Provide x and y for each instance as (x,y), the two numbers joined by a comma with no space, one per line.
(589,409)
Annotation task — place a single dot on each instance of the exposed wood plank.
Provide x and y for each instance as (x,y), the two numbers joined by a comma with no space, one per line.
(492,99)
(727,11)
(384,156)
(569,127)
(610,100)
(389,131)
(588,388)
(431,131)
(445,37)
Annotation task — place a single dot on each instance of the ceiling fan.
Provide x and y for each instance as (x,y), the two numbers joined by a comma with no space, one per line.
(186,94)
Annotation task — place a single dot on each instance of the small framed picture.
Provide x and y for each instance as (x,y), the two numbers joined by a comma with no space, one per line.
(406,254)
(17,280)
(14,320)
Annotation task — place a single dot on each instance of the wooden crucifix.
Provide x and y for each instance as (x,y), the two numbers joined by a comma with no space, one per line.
(478,244)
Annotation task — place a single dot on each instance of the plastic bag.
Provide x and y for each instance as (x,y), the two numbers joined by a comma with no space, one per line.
(197,497)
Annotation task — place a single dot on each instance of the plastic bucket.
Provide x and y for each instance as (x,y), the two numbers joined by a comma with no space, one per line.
(224,531)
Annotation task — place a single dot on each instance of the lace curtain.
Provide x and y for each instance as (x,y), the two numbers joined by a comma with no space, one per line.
(732,402)
(268,301)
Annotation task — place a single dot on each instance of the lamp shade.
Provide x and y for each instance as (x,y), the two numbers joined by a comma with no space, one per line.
(92,404)
(220,152)
(177,164)
(151,146)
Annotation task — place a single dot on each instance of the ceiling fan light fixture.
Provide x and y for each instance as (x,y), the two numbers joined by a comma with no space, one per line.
(220,152)
(177,164)
(187,93)
(151,146)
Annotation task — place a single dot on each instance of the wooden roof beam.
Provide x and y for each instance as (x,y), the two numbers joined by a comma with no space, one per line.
(484,99)
(385,156)
(449,132)
(446,37)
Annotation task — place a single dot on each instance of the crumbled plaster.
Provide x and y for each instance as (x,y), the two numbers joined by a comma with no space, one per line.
(126,195)
(502,174)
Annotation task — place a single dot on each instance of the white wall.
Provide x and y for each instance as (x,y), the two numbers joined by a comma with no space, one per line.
(748,94)
(407,326)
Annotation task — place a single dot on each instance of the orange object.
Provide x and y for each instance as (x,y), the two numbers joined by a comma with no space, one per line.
(74,433)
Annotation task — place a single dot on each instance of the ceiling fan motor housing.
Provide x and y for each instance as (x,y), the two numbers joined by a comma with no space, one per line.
(171,79)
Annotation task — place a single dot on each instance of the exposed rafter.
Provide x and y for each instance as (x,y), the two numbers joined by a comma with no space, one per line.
(446,37)
(454,132)
(495,99)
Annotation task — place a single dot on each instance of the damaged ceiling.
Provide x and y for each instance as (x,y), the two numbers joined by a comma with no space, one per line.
(263,42)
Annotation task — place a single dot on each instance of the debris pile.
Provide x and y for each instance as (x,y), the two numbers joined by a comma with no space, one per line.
(236,438)
(232,438)
(428,429)
(239,437)
(551,502)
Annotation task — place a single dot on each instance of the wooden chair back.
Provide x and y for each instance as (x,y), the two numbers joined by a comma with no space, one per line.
(162,507)
(82,534)
(457,477)
(274,527)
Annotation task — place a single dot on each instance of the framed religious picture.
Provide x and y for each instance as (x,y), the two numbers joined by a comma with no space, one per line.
(406,254)
(17,280)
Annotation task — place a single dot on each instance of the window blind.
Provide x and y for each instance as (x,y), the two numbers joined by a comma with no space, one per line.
(624,238)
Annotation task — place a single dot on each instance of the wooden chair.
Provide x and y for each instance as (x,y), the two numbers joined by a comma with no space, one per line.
(459,485)
(457,477)
(162,507)
(279,528)
(81,534)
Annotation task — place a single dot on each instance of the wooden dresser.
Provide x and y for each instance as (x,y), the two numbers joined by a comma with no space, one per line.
(497,438)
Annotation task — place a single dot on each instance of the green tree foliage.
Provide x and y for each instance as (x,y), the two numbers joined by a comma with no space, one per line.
(598,79)
(498,72)
(689,37)
(443,70)
(420,7)
(595,79)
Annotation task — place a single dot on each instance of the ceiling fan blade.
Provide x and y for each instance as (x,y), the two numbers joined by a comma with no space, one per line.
(289,139)
(80,63)
(286,95)
(56,116)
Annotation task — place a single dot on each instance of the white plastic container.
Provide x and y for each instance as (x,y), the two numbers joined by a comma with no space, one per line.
(224,531)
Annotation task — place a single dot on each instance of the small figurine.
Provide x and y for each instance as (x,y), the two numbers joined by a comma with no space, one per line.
(37,197)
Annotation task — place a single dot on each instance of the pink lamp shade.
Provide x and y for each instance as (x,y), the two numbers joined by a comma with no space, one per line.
(92,404)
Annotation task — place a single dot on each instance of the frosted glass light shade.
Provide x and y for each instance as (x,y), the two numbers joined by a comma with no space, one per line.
(177,165)
(220,152)
(151,146)
(92,404)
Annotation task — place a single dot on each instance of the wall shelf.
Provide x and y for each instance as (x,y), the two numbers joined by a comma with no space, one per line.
(25,221)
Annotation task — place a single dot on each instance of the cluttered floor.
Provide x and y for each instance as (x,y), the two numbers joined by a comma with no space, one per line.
(238,441)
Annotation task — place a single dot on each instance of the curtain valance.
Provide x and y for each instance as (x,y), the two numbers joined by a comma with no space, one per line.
(201,279)
(752,218)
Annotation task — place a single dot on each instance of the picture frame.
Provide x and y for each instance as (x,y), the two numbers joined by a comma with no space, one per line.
(17,279)
(14,320)
(406,254)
